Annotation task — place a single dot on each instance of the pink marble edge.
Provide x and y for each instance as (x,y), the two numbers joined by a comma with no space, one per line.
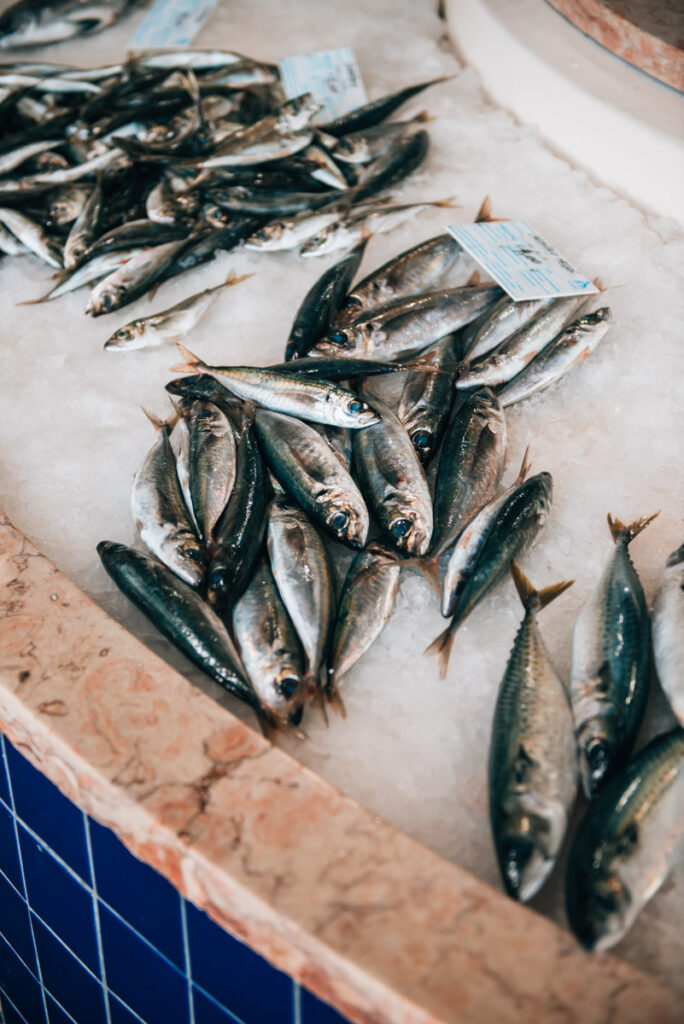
(623,37)
(368,919)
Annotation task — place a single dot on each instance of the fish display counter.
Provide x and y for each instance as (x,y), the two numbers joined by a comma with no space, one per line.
(162,858)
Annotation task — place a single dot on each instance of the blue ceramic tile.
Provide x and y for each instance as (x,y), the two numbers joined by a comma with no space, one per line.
(138,893)
(62,902)
(119,1014)
(20,986)
(14,924)
(209,1012)
(142,978)
(4,790)
(9,858)
(55,819)
(314,1011)
(235,975)
(67,980)
(56,1014)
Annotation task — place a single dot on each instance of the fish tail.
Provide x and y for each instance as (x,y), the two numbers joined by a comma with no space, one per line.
(192,364)
(430,569)
(618,528)
(536,598)
(34,302)
(450,203)
(334,699)
(234,278)
(442,646)
(158,423)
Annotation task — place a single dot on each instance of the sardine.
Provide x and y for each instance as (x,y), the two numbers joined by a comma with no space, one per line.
(357,226)
(667,628)
(308,470)
(532,755)
(16,157)
(497,540)
(610,663)
(574,343)
(363,146)
(211,464)
(160,513)
(372,113)
(393,481)
(320,401)
(39,22)
(132,279)
(504,319)
(32,236)
(627,843)
(270,649)
(94,269)
(82,233)
(321,303)
(428,394)
(180,614)
(305,579)
(365,607)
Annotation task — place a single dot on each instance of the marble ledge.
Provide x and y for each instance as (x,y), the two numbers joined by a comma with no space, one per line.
(646,33)
(368,919)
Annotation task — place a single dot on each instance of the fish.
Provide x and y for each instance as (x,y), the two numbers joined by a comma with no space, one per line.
(322,168)
(319,401)
(180,614)
(370,114)
(513,354)
(307,469)
(322,368)
(94,269)
(282,234)
(270,649)
(83,230)
(471,464)
(32,236)
(272,147)
(211,464)
(574,343)
(132,279)
(427,397)
(610,663)
(393,481)
(491,542)
(170,324)
(504,320)
(532,755)
(320,304)
(409,325)
(135,234)
(365,606)
(16,157)
(305,579)
(160,513)
(239,532)
(39,22)
(667,630)
(410,273)
(364,146)
(398,163)
(627,843)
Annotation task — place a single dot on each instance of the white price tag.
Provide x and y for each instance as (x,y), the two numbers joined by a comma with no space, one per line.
(331,76)
(521,261)
(171,23)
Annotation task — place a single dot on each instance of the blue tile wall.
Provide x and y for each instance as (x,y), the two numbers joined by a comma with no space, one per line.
(91,935)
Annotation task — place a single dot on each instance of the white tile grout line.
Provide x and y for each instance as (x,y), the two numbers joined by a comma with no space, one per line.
(296,1003)
(23,877)
(186,956)
(20,1015)
(96,915)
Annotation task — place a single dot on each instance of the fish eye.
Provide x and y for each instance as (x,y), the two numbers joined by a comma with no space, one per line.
(338,338)
(339,520)
(400,527)
(421,439)
(218,583)
(107,300)
(355,406)
(288,687)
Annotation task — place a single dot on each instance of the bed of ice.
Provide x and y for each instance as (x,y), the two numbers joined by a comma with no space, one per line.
(413,748)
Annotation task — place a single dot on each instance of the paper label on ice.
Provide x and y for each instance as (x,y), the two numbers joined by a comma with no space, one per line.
(331,76)
(171,23)
(521,261)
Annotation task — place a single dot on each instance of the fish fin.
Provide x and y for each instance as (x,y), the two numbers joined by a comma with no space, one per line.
(430,569)
(617,527)
(485,211)
(335,700)
(442,645)
(474,279)
(537,598)
(450,203)
(193,362)
(525,467)
(33,302)
(423,117)
(158,423)
(234,278)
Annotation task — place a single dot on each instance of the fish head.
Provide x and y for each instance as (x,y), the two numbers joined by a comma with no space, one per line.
(352,151)
(352,308)
(105,299)
(348,410)
(266,237)
(423,440)
(541,486)
(410,531)
(599,905)
(529,833)
(676,558)
(345,517)
(337,343)
(125,337)
(597,742)
(284,697)
(298,112)
(77,251)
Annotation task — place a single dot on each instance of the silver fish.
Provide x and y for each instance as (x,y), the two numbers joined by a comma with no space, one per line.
(211,464)
(394,482)
(319,401)
(352,229)
(667,629)
(427,397)
(82,233)
(574,343)
(309,470)
(610,663)
(16,157)
(364,146)
(32,236)
(161,515)
(505,318)
(94,270)
(270,649)
(39,22)
(627,843)
(305,579)
(532,756)
(133,278)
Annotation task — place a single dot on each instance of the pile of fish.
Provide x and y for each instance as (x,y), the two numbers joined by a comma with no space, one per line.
(261,473)
(41,22)
(121,177)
